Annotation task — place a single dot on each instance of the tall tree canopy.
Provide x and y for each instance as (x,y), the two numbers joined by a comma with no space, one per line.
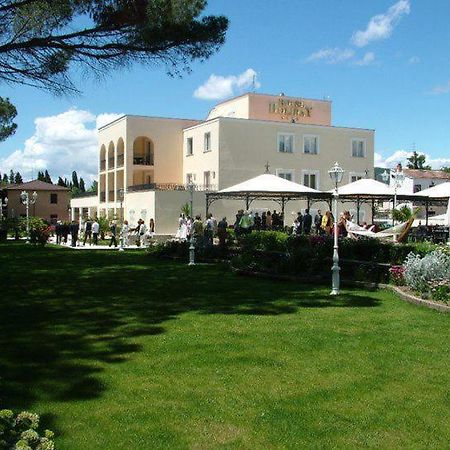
(416,161)
(40,40)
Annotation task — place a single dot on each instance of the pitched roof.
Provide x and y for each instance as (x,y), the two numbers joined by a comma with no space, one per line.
(365,187)
(420,173)
(440,191)
(36,185)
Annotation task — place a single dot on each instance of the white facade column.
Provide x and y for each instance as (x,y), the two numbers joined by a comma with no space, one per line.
(72,214)
(80,212)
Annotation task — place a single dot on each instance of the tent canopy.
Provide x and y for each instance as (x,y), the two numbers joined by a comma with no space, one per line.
(269,184)
(365,188)
(440,191)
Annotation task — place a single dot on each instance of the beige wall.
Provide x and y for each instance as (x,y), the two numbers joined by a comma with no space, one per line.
(200,162)
(246,146)
(139,205)
(42,208)
(275,108)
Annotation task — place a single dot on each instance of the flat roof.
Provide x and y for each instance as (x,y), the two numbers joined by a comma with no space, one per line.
(145,117)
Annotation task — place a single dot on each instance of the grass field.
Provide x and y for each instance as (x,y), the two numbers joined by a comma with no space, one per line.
(121,351)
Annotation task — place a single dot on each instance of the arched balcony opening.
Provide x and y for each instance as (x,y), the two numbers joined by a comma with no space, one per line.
(111,156)
(102,158)
(102,187)
(143,151)
(120,153)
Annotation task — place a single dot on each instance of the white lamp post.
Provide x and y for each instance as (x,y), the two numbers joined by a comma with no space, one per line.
(191,187)
(398,177)
(3,204)
(336,174)
(27,201)
(121,196)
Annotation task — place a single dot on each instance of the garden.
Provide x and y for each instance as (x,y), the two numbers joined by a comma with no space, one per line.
(127,350)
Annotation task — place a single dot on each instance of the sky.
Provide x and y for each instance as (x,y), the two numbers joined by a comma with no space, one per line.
(385,64)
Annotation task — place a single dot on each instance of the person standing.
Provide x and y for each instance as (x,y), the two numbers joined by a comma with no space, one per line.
(95,230)
(258,222)
(113,230)
(88,231)
(269,220)
(246,223)
(327,222)
(222,232)
(318,221)
(74,229)
(124,233)
(307,222)
(197,230)
(209,230)
(300,221)
(58,232)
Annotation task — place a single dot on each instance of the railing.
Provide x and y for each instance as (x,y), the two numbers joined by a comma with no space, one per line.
(103,165)
(102,196)
(170,187)
(143,161)
(120,160)
(111,163)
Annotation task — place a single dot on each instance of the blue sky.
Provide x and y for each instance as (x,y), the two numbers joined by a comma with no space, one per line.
(385,64)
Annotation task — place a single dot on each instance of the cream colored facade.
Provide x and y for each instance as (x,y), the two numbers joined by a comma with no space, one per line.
(153,159)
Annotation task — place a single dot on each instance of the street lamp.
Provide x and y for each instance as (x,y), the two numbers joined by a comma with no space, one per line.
(121,196)
(27,201)
(336,174)
(397,177)
(3,204)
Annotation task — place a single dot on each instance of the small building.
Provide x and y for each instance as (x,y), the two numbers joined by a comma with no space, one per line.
(417,180)
(52,201)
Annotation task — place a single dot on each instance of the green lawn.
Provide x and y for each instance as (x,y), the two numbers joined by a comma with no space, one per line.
(121,351)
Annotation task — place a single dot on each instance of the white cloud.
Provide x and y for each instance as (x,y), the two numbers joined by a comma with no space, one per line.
(441,89)
(61,144)
(367,59)
(400,156)
(218,87)
(414,60)
(382,25)
(331,55)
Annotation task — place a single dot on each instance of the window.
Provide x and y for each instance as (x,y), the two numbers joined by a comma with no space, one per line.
(207,179)
(190,178)
(311,145)
(285,174)
(311,178)
(358,148)
(207,146)
(54,198)
(189,146)
(417,188)
(354,176)
(285,143)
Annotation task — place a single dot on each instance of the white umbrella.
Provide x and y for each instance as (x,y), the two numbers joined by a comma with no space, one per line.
(439,191)
(366,187)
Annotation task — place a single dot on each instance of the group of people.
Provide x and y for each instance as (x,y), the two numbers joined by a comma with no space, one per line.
(89,233)
(202,232)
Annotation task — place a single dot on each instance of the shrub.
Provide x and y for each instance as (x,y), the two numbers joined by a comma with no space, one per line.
(397,275)
(21,432)
(421,274)
(39,230)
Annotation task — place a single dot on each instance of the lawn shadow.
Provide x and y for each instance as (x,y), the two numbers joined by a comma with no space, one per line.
(66,315)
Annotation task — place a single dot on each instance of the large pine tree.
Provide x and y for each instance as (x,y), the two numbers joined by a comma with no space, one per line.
(18,178)
(47,178)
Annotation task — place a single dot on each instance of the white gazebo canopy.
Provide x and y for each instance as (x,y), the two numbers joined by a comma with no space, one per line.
(439,191)
(269,184)
(365,188)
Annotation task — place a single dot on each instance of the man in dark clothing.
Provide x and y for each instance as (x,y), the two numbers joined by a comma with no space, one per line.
(318,222)
(258,222)
(58,232)
(88,231)
(113,229)
(307,222)
(222,233)
(74,229)
(300,222)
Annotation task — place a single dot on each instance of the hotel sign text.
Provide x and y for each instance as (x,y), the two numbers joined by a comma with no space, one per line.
(290,108)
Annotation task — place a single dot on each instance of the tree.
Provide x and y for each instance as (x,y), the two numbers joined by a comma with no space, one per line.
(41,41)
(61,182)
(18,178)
(75,183)
(40,176)
(5,179)
(416,161)
(11,177)
(7,114)
(94,187)
(446,169)
(47,177)
(82,185)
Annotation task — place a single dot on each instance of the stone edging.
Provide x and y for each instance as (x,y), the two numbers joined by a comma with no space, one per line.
(410,298)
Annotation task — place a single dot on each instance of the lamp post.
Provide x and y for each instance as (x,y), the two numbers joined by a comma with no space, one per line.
(336,173)
(121,196)
(397,177)
(191,187)
(27,201)
(3,204)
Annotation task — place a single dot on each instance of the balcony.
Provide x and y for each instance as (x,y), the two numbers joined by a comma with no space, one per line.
(143,161)
(111,163)
(103,197)
(120,160)
(102,165)
(170,187)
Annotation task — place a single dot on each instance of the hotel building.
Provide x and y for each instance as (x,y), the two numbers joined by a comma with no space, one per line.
(153,159)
